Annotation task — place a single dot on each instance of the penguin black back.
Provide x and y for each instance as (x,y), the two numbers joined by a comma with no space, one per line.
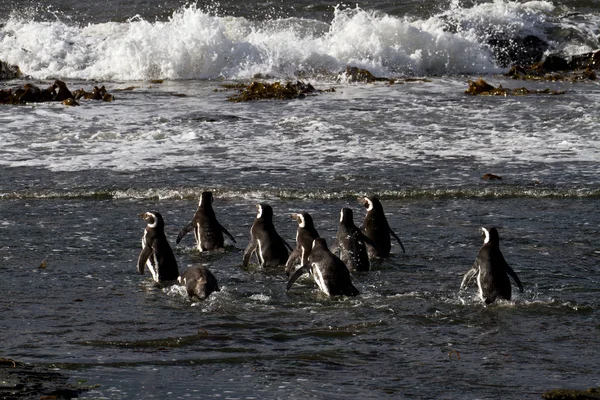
(351,243)
(199,282)
(156,252)
(329,272)
(269,247)
(491,271)
(377,228)
(305,235)
(207,230)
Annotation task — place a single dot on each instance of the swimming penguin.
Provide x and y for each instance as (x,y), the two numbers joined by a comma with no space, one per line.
(156,252)
(329,272)
(351,243)
(199,282)
(207,230)
(377,229)
(270,248)
(490,270)
(305,235)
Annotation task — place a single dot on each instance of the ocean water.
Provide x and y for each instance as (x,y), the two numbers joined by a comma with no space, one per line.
(74,180)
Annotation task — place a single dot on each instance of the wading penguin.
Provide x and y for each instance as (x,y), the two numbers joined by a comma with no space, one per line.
(351,243)
(270,248)
(199,282)
(207,230)
(377,229)
(490,270)
(156,252)
(305,235)
(328,271)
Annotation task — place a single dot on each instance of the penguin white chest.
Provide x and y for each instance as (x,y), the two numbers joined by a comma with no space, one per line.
(318,276)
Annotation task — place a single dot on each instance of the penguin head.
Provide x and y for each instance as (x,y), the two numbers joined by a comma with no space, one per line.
(264,212)
(367,203)
(346,216)
(490,236)
(319,242)
(153,219)
(206,199)
(304,220)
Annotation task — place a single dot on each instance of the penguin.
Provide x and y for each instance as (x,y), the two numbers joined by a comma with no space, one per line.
(351,243)
(329,272)
(490,270)
(207,230)
(376,228)
(199,282)
(270,248)
(156,252)
(305,235)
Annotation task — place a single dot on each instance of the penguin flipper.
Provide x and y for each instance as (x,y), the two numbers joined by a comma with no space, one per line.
(468,277)
(398,239)
(248,253)
(184,231)
(227,233)
(143,257)
(370,242)
(292,260)
(299,272)
(286,244)
(512,273)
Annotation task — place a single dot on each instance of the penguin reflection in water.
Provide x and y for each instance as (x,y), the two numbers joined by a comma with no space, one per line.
(329,272)
(270,248)
(207,230)
(491,270)
(156,252)
(377,228)
(305,235)
(199,282)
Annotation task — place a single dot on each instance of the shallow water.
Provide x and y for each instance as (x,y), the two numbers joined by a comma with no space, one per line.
(74,180)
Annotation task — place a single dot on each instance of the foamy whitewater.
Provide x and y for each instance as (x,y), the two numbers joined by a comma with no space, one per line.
(74,179)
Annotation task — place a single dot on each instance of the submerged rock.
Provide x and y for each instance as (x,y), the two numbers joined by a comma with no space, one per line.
(482,88)
(8,71)
(275,91)
(491,177)
(26,381)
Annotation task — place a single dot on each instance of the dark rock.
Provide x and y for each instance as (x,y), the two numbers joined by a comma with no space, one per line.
(554,63)
(482,88)
(491,177)
(8,71)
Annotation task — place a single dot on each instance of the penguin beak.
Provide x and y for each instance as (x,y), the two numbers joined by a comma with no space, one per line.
(364,202)
(142,216)
(294,216)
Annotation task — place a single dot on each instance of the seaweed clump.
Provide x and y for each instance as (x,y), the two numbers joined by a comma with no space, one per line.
(564,394)
(482,88)
(276,91)
(58,91)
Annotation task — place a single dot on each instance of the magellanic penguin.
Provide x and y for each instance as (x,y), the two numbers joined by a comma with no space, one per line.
(207,230)
(305,235)
(270,248)
(351,243)
(377,229)
(156,251)
(490,270)
(329,272)
(199,282)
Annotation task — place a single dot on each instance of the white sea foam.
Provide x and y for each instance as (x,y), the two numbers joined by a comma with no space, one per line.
(194,44)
